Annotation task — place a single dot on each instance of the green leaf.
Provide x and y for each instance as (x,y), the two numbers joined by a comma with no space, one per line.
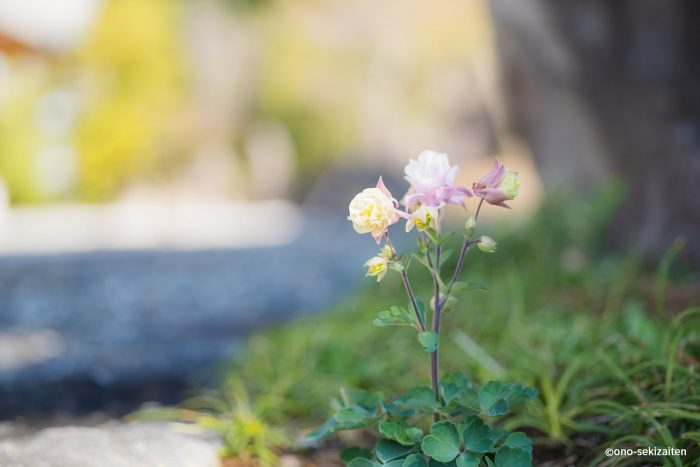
(469,286)
(496,398)
(444,256)
(421,308)
(518,440)
(467,459)
(453,386)
(511,457)
(362,462)
(490,399)
(498,435)
(323,431)
(395,316)
(429,340)
(414,460)
(400,432)
(394,463)
(368,400)
(434,463)
(388,450)
(354,452)
(419,398)
(476,436)
(352,416)
(442,444)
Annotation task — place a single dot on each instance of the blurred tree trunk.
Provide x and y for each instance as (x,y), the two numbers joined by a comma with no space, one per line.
(612,87)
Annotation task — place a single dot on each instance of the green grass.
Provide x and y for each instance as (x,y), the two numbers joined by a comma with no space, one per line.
(590,330)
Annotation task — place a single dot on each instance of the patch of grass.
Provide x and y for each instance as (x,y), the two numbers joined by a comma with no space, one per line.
(614,366)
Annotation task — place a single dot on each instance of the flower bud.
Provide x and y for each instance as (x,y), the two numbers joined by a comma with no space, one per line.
(497,186)
(486,244)
(470,226)
(387,252)
(377,267)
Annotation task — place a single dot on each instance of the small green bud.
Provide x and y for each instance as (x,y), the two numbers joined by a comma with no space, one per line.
(470,226)
(386,252)
(486,244)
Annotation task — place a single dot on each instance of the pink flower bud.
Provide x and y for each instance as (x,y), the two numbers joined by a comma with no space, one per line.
(497,186)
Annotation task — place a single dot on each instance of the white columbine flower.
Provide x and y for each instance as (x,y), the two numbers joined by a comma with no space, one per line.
(432,181)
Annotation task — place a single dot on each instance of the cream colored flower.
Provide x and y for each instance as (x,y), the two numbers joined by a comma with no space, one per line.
(377,267)
(373,211)
(424,217)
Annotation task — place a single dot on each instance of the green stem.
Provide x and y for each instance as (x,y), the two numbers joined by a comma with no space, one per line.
(407,286)
(434,361)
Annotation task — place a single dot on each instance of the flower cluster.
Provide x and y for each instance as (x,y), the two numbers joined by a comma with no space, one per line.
(462,432)
(432,187)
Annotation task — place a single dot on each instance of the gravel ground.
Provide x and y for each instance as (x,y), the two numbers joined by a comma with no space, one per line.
(110,330)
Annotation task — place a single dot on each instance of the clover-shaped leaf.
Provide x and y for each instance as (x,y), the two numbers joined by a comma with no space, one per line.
(467,459)
(354,452)
(388,450)
(518,440)
(453,386)
(414,460)
(512,457)
(362,462)
(491,400)
(442,444)
(350,418)
(429,340)
(368,400)
(420,398)
(434,463)
(496,398)
(476,435)
(400,432)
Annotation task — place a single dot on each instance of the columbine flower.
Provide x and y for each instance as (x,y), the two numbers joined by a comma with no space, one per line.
(377,267)
(424,217)
(374,210)
(432,181)
(486,244)
(497,186)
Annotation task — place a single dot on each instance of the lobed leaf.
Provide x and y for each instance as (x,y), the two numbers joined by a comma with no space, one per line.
(442,444)
(476,435)
(400,432)
(388,450)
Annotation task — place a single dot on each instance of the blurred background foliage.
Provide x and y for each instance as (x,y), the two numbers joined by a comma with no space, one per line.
(154,88)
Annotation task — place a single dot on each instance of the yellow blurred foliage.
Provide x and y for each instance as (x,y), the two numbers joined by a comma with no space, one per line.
(134,82)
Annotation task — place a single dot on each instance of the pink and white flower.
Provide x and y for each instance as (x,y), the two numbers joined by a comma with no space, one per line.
(497,186)
(374,210)
(432,181)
